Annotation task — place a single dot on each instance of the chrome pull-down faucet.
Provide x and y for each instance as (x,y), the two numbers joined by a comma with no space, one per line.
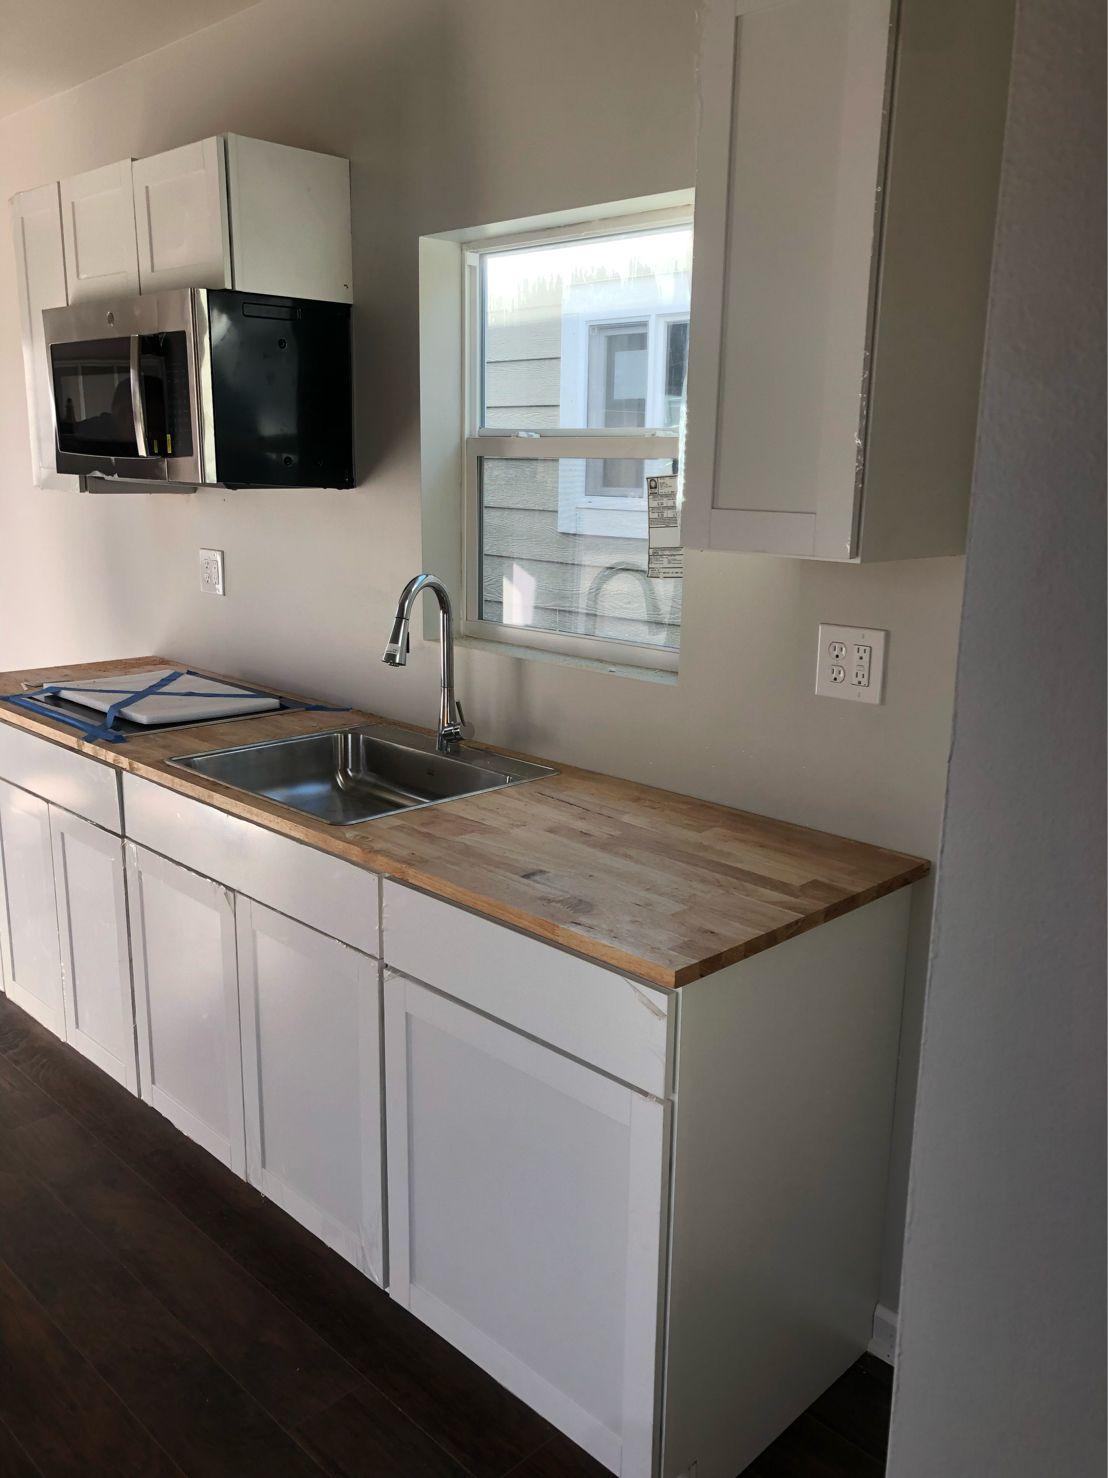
(452,721)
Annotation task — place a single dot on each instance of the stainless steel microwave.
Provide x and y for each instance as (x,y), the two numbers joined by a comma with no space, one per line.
(203,387)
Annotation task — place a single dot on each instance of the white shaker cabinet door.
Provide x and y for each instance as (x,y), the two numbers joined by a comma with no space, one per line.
(181,218)
(98,226)
(29,944)
(312,1080)
(186,1002)
(526,1205)
(92,928)
(40,283)
(789,174)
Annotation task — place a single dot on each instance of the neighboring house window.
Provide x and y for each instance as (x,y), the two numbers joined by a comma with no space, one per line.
(577,355)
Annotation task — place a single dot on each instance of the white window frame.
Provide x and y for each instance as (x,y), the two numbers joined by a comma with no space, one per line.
(554,442)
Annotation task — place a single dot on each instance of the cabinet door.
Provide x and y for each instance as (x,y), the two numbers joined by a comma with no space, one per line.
(789,172)
(29,917)
(98,226)
(40,283)
(92,929)
(290,215)
(312,1080)
(181,218)
(186,1002)
(526,1204)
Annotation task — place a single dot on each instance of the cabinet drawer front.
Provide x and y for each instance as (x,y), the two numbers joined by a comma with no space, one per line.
(70,780)
(325,892)
(592,1013)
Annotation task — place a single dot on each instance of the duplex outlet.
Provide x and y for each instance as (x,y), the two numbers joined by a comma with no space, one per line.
(211,571)
(850,663)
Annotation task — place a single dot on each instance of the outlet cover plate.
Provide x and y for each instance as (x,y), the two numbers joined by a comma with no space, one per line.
(211,571)
(850,663)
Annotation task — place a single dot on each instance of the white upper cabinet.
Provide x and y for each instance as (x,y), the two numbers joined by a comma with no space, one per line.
(181,220)
(843,237)
(237,212)
(40,283)
(224,212)
(98,226)
(291,214)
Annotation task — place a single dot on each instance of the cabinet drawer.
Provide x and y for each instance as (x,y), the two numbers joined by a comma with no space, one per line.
(71,780)
(595,1014)
(322,891)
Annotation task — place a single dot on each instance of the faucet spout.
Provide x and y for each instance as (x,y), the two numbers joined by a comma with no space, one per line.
(452,725)
(396,653)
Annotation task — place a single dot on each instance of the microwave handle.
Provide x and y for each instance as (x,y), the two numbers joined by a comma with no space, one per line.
(138,405)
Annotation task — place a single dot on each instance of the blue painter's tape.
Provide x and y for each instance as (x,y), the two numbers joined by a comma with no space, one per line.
(105,730)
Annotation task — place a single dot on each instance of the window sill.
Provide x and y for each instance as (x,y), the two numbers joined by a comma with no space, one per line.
(564,659)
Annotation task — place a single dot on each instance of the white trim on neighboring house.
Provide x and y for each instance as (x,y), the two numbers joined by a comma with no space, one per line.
(580,511)
(451,523)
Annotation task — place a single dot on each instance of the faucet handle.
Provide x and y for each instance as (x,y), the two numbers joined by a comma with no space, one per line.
(465,731)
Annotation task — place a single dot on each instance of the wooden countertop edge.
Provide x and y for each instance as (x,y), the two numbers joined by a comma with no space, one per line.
(330,841)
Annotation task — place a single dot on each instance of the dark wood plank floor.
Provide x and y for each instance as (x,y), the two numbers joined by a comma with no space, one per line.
(157,1316)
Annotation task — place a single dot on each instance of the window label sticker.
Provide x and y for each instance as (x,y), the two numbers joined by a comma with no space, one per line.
(665,556)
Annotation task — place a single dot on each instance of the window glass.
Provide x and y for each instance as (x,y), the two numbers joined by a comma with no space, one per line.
(676,369)
(586,334)
(552,563)
(584,341)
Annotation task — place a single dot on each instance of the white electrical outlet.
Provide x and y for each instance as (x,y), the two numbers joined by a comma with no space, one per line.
(211,571)
(851,663)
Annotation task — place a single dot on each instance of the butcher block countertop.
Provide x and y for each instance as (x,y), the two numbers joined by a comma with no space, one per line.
(655,884)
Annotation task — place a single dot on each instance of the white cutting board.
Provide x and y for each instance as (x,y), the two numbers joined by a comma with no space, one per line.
(162,707)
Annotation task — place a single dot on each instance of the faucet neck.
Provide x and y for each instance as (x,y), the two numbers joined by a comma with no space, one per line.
(451,721)
(452,725)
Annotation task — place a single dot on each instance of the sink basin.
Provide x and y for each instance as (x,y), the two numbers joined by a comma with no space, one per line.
(349,775)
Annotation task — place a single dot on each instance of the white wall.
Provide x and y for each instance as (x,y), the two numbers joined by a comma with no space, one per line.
(455,113)
(1001,1367)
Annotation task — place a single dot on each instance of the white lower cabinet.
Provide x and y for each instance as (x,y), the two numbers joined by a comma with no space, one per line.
(589,1179)
(526,1208)
(186,1002)
(29,946)
(91,899)
(311,1051)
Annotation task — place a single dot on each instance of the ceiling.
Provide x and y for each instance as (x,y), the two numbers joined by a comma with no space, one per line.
(49,46)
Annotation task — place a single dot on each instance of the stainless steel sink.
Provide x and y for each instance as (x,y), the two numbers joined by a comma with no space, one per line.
(349,775)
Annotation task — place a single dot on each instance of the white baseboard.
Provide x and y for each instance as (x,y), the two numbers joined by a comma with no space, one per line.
(883,1343)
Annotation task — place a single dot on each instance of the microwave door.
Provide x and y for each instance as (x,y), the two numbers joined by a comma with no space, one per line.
(93,407)
(123,408)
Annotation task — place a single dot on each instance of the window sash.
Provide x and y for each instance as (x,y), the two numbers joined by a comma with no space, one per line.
(528,448)
(474,253)
(646,444)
